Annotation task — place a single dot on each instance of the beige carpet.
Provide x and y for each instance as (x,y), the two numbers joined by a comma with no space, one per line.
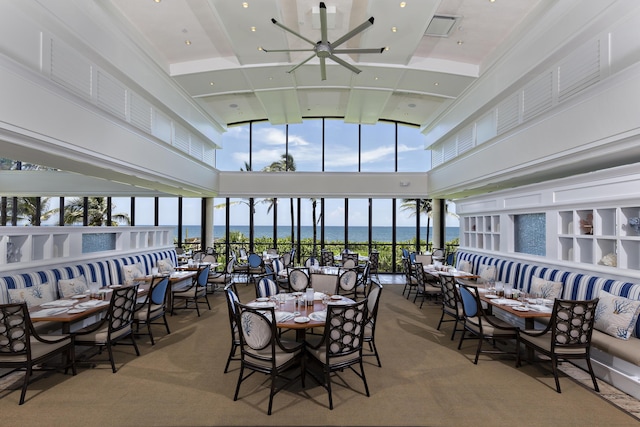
(424,381)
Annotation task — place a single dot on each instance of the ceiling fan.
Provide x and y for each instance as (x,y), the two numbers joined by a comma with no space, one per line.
(324,49)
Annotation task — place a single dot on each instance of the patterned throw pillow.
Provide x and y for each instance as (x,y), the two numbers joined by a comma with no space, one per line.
(464,266)
(132,272)
(616,315)
(165,266)
(71,287)
(546,288)
(486,273)
(33,295)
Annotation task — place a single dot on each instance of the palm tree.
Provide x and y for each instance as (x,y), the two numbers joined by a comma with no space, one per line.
(27,210)
(286,163)
(97,215)
(425,206)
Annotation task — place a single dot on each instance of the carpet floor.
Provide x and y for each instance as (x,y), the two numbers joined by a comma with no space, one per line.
(424,381)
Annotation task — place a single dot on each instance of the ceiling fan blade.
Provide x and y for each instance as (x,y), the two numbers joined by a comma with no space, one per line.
(293,32)
(345,64)
(323,22)
(366,24)
(286,50)
(302,63)
(371,50)
(323,69)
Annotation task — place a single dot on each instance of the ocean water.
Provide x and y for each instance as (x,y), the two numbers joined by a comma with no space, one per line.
(331,233)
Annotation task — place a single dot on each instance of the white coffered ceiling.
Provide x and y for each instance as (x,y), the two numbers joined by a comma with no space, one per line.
(209,48)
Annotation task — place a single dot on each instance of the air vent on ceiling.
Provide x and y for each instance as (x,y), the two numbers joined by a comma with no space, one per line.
(441,26)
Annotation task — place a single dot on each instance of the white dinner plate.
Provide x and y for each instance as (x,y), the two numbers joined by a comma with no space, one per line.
(491,296)
(336,297)
(520,308)
(262,299)
(76,310)
(80,296)
(301,319)
(318,316)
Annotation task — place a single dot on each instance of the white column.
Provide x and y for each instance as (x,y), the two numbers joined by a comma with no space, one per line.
(208,225)
(437,219)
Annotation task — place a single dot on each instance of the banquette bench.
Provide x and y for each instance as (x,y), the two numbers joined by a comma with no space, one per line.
(41,284)
(616,361)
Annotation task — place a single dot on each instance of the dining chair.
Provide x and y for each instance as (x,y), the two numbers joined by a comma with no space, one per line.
(373,300)
(256,266)
(347,282)
(425,288)
(21,347)
(312,262)
(298,279)
(364,279)
(483,326)
(115,326)
(410,282)
(231,296)
(262,349)
(451,305)
(278,267)
(153,307)
(198,256)
(265,287)
(221,278)
(196,293)
(340,346)
(287,260)
(567,335)
(374,263)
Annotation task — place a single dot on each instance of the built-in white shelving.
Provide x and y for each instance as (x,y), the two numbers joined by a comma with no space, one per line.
(482,232)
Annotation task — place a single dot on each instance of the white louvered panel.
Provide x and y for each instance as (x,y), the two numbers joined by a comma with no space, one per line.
(465,139)
(579,71)
(436,156)
(161,126)
(209,156)
(196,148)
(111,95)
(449,149)
(70,69)
(181,138)
(140,113)
(507,113)
(537,96)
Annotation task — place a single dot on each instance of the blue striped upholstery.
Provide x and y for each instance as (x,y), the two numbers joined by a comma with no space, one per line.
(576,286)
(102,272)
(266,288)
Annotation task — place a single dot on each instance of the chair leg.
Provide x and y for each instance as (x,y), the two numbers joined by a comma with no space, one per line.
(364,378)
(27,375)
(231,354)
(135,345)
(150,333)
(207,299)
(464,332)
(113,363)
(166,324)
(554,366)
(593,376)
(235,396)
(328,377)
(272,391)
(480,339)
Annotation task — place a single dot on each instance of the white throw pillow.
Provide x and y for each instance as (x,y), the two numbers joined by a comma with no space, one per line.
(616,315)
(70,287)
(487,273)
(546,288)
(33,295)
(132,272)
(464,266)
(165,266)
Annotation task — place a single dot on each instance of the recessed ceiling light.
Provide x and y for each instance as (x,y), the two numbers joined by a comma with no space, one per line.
(403,3)
(436,84)
(376,78)
(387,48)
(259,47)
(460,42)
(187,42)
(245,4)
(157,1)
(211,83)
(394,29)
(253,29)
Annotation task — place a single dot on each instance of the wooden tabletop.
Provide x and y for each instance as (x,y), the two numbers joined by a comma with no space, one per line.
(508,308)
(289,305)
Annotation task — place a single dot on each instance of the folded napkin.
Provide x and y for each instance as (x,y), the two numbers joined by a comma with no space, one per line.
(505,301)
(92,303)
(283,316)
(318,296)
(49,312)
(261,304)
(540,308)
(58,303)
(319,316)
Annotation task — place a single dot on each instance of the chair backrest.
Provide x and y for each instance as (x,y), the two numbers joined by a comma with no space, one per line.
(347,281)
(158,290)
(203,276)
(418,273)
(257,335)
(265,287)
(326,257)
(470,305)
(243,252)
(412,257)
(286,259)
(406,268)
(405,253)
(438,254)
(254,260)
(272,251)
(198,256)
(373,298)
(298,280)
(325,283)
(311,262)
(231,295)
(179,251)
(15,332)
(209,258)
(230,266)
(374,260)
(348,263)
(344,330)
(277,265)
(572,323)
(424,258)
(122,307)
(449,291)
(210,251)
